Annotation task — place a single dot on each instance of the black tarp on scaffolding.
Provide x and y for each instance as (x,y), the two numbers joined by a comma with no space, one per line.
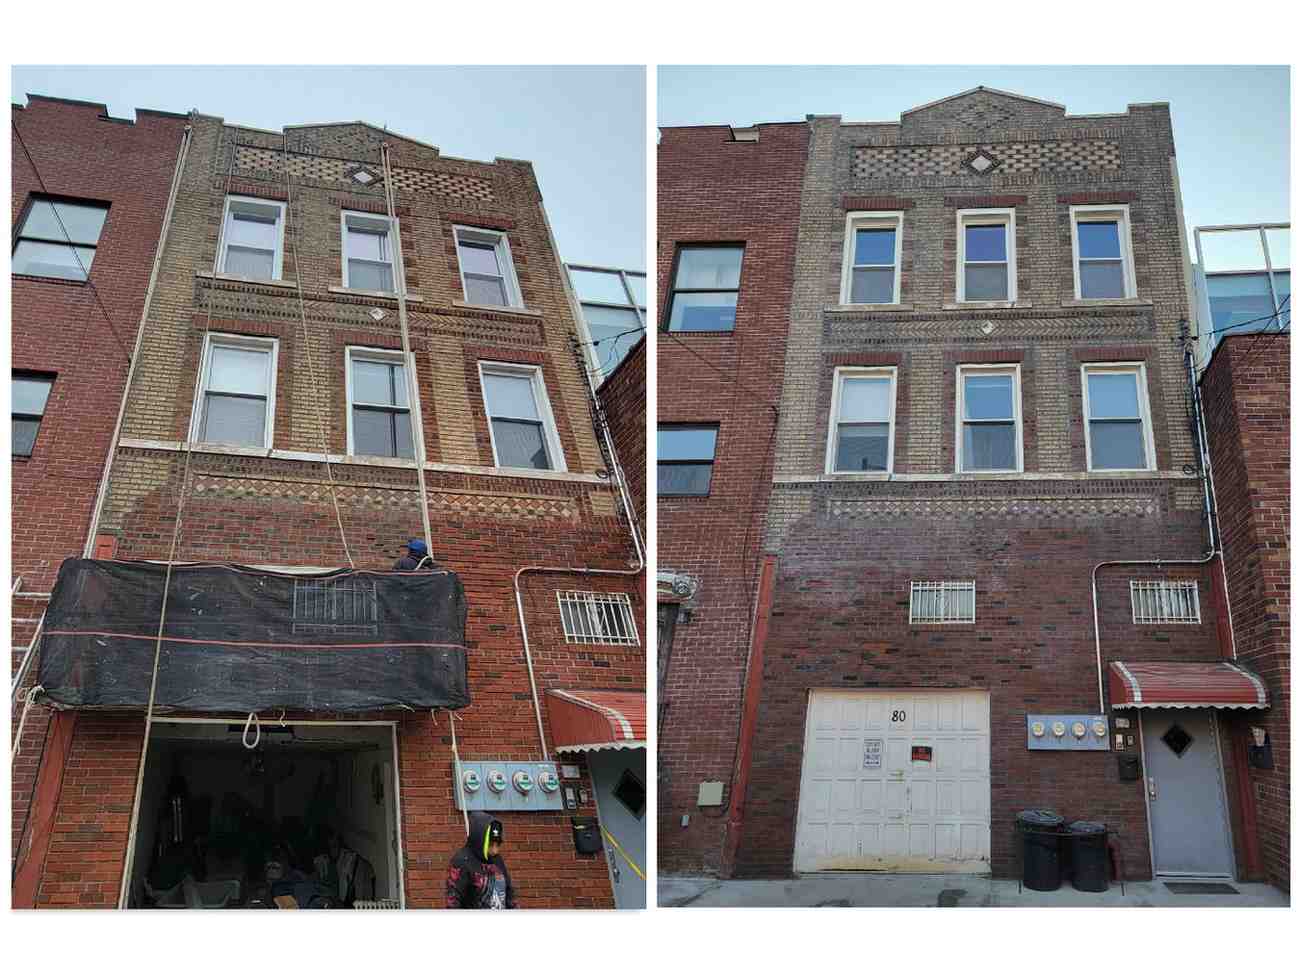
(238,639)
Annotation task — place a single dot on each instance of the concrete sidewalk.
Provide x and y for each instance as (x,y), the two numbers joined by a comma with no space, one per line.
(867,889)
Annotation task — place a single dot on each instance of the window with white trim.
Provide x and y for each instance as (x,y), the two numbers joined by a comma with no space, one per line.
(861,435)
(989,428)
(1165,602)
(942,602)
(1103,252)
(57,238)
(487,272)
(236,403)
(871,250)
(1117,417)
(252,239)
(379,408)
(598,617)
(520,422)
(368,242)
(986,255)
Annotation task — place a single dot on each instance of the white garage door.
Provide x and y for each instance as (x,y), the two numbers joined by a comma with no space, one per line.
(896,781)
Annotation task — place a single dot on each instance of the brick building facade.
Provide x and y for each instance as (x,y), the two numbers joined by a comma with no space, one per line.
(623,397)
(717,186)
(278,300)
(72,337)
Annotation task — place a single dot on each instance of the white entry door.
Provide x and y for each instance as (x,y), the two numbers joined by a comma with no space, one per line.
(895,781)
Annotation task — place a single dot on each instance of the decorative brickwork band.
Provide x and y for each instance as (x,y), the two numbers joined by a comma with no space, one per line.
(977,202)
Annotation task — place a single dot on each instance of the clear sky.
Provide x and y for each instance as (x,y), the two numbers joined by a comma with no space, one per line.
(583,128)
(1231,124)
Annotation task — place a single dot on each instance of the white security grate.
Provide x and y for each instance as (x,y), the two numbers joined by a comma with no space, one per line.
(598,617)
(1165,602)
(342,606)
(942,602)
(376,905)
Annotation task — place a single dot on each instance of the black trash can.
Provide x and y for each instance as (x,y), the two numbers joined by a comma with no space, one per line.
(1089,859)
(1040,848)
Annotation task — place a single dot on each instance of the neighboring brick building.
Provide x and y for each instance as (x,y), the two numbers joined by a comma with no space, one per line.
(1246,392)
(273,349)
(728,217)
(75,316)
(622,397)
(984,400)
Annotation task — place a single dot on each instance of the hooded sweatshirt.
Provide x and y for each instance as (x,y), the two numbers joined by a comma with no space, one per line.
(476,880)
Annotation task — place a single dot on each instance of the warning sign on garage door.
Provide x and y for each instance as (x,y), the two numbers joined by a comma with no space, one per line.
(872,749)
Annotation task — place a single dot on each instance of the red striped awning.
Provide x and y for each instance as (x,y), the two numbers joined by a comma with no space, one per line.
(596,720)
(1217,684)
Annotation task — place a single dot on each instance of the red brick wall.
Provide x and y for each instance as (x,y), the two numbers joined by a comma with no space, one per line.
(59,327)
(715,190)
(1247,395)
(622,396)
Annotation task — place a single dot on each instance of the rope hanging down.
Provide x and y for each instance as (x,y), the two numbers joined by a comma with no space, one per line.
(27,705)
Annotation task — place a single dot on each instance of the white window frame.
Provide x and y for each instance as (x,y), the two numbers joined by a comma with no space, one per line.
(394,241)
(987,217)
(543,401)
(590,601)
(1161,593)
(1104,213)
(235,341)
(499,240)
(945,589)
(871,220)
(833,426)
(1017,410)
(1144,407)
(388,356)
(250,202)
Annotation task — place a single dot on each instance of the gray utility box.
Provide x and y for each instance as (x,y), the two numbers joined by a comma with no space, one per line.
(1067,732)
(508,786)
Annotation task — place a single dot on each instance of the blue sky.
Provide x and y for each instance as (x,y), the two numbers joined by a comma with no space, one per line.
(583,128)
(1231,123)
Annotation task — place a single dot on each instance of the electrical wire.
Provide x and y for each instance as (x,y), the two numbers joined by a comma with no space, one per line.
(1242,324)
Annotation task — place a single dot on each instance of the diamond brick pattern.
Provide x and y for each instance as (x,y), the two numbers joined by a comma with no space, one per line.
(995,507)
(911,161)
(424,181)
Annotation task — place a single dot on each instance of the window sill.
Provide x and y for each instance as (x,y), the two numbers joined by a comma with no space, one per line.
(49,279)
(1091,475)
(376,295)
(497,308)
(236,279)
(868,307)
(711,331)
(986,305)
(1106,302)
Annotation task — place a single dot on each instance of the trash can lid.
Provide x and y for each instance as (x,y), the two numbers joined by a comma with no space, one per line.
(1088,827)
(1040,816)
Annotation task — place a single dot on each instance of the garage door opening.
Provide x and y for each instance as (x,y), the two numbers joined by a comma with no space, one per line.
(308,818)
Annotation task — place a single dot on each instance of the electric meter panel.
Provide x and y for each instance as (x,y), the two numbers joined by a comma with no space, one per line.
(1067,732)
(508,786)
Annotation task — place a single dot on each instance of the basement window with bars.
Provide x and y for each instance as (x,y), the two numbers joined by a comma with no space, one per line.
(347,606)
(598,617)
(1165,602)
(942,602)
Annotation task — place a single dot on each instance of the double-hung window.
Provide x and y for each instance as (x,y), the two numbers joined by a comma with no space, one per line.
(685,464)
(236,391)
(1117,417)
(861,436)
(487,271)
(252,239)
(706,283)
(986,255)
(1103,252)
(379,408)
(368,242)
(31,391)
(520,423)
(988,404)
(58,238)
(871,251)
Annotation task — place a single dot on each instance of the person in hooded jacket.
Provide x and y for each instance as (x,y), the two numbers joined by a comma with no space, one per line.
(477,878)
(416,558)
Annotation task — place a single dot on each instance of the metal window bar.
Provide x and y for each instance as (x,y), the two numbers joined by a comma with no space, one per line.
(347,606)
(1165,602)
(942,602)
(597,617)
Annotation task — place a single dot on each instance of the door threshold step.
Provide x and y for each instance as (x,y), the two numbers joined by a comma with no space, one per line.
(1202,889)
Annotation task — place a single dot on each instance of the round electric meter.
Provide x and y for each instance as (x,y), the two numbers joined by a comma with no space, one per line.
(1037,728)
(549,782)
(1058,728)
(1079,729)
(1099,728)
(523,782)
(471,781)
(497,781)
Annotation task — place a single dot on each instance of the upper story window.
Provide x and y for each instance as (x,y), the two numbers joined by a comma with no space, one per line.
(58,238)
(487,272)
(31,391)
(706,282)
(861,436)
(986,255)
(1117,417)
(367,252)
(236,391)
(379,408)
(686,454)
(613,313)
(1103,252)
(520,423)
(871,250)
(252,239)
(988,402)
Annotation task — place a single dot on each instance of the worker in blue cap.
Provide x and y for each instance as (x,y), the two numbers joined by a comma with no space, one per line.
(416,557)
